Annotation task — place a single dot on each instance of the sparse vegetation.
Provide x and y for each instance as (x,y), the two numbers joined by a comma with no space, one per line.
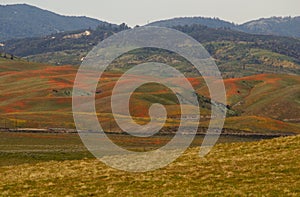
(268,167)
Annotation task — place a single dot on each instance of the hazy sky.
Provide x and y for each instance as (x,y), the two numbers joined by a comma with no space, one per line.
(140,12)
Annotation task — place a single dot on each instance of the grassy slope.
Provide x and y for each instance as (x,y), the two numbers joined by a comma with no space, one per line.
(239,59)
(268,167)
(40,96)
(18,148)
(266,102)
(274,96)
(233,59)
(28,92)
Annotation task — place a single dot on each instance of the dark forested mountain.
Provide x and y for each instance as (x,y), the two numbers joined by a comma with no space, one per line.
(71,40)
(281,26)
(85,39)
(20,21)
(279,44)
(62,48)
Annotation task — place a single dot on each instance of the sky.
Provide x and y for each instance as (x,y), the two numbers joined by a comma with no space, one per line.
(140,12)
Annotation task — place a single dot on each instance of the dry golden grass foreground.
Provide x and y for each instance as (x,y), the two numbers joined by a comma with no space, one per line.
(269,168)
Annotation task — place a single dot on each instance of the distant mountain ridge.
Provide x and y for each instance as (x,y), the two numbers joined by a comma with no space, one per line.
(284,26)
(22,21)
(280,26)
(26,21)
(182,21)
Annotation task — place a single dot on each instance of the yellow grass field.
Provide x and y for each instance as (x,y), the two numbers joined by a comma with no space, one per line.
(264,168)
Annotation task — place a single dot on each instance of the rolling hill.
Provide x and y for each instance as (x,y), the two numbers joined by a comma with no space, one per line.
(236,53)
(22,21)
(39,96)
